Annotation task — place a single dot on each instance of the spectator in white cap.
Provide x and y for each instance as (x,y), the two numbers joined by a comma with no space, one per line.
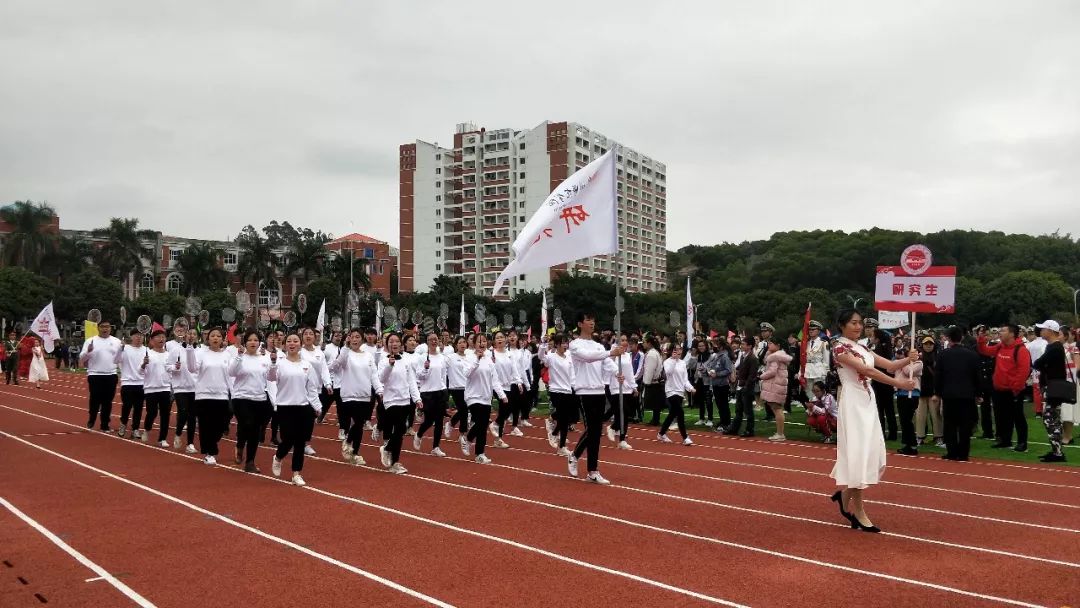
(766,331)
(1055,383)
(817,356)
(870,325)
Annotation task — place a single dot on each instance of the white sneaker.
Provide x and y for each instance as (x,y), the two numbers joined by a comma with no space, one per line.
(611,434)
(163,444)
(177,442)
(190,449)
(663,438)
(417,441)
(398,469)
(275,466)
(829,439)
(563,451)
(777,437)
(120,432)
(526,424)
(298,480)
(144,436)
(438,452)
(494,429)
(499,443)
(624,446)
(368,427)
(309,451)
(699,423)
(375,434)
(553,441)
(549,425)
(341,434)
(483,459)
(595,477)
(571,465)
(210,460)
(358,460)
(346,451)
(464,441)
(384,457)
(708,423)
(687,441)
(516,432)
(447,428)
(940,444)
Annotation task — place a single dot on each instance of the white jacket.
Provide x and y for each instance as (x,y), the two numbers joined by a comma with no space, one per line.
(359,375)
(318,361)
(588,357)
(399,383)
(455,373)
(481,380)
(297,384)
(211,372)
(159,372)
(507,367)
(184,380)
(628,384)
(249,374)
(101,362)
(560,371)
(676,382)
(331,352)
(431,371)
(130,359)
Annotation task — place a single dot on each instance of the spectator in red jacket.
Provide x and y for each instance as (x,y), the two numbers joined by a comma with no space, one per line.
(1012,366)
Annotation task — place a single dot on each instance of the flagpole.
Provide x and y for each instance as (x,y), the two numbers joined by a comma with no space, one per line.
(618,289)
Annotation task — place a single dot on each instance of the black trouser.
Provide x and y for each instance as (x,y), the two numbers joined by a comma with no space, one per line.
(251,417)
(721,393)
(361,413)
(703,401)
(380,415)
(131,404)
(295,420)
(744,407)
(461,415)
(11,370)
(1009,412)
(275,427)
(158,405)
(563,406)
(675,412)
(345,413)
(654,401)
(434,414)
(958,419)
(395,422)
(592,412)
(506,410)
(327,401)
(311,426)
(883,394)
(1053,425)
(986,413)
(185,415)
(522,408)
(907,407)
(629,406)
(210,420)
(481,413)
(532,398)
(226,418)
(102,390)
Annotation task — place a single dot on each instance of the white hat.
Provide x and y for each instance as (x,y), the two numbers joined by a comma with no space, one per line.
(1050,324)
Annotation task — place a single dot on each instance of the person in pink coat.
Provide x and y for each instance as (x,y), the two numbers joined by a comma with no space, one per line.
(774,384)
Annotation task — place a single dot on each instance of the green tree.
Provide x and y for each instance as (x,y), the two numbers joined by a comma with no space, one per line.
(337,269)
(123,250)
(23,294)
(202,271)
(1025,297)
(317,291)
(87,290)
(306,258)
(29,241)
(258,262)
(71,256)
(215,301)
(156,304)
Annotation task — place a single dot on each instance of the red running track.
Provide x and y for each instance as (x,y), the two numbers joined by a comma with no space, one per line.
(735,522)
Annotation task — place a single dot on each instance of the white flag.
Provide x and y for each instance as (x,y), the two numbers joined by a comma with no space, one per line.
(45,326)
(888,319)
(543,315)
(689,315)
(378,317)
(579,219)
(320,321)
(461,318)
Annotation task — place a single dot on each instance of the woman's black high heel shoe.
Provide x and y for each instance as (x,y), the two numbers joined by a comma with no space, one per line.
(855,523)
(836,497)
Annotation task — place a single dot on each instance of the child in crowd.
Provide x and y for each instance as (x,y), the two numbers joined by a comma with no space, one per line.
(821,414)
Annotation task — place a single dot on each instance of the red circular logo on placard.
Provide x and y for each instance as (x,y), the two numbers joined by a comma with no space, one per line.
(916,259)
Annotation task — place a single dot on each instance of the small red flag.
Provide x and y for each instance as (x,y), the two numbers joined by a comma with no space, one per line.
(231,335)
(802,346)
(156,326)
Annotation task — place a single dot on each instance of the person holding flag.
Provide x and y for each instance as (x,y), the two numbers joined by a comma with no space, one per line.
(38,370)
(588,357)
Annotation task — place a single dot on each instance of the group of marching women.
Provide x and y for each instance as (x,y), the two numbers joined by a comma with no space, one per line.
(287,382)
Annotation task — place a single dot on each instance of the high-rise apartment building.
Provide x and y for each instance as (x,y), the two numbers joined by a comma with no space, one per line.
(462,207)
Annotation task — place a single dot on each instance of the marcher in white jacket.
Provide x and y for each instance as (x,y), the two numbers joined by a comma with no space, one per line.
(676,385)
(360,387)
(400,393)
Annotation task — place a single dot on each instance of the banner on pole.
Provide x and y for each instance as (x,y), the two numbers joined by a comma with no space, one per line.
(888,319)
(932,291)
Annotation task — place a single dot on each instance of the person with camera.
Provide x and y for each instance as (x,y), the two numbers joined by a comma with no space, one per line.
(1057,386)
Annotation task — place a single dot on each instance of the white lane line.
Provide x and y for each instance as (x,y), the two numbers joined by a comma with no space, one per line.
(277,539)
(79,557)
(406,515)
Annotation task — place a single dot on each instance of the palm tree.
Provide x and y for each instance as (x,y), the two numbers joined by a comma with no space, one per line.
(123,250)
(71,256)
(306,257)
(257,259)
(338,270)
(202,273)
(28,242)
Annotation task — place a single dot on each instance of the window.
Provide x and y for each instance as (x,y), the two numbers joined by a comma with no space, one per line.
(438,170)
(174,283)
(438,239)
(229,260)
(369,252)
(269,293)
(438,225)
(438,184)
(438,212)
(438,157)
(438,266)
(521,190)
(521,218)
(438,254)
(438,197)
(382,267)
(148,282)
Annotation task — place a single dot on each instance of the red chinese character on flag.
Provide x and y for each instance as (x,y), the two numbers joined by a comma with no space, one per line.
(574,214)
(931,289)
(898,289)
(914,289)
(546,232)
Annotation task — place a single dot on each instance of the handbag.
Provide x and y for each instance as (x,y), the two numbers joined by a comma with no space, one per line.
(1062,390)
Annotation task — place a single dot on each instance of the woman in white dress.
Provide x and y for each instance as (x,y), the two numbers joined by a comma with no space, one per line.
(860,446)
(39,372)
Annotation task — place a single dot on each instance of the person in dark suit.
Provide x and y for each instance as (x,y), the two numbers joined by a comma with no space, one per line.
(958,375)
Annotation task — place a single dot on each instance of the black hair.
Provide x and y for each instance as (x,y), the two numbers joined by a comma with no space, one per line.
(583,315)
(821,385)
(845,316)
(156,333)
(560,338)
(249,333)
(955,334)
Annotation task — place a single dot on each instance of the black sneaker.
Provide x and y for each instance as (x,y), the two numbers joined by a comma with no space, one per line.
(746,434)
(1020,447)
(907,450)
(985,436)
(1002,444)
(1053,458)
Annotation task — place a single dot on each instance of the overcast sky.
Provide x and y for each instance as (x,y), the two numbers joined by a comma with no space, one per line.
(200,117)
